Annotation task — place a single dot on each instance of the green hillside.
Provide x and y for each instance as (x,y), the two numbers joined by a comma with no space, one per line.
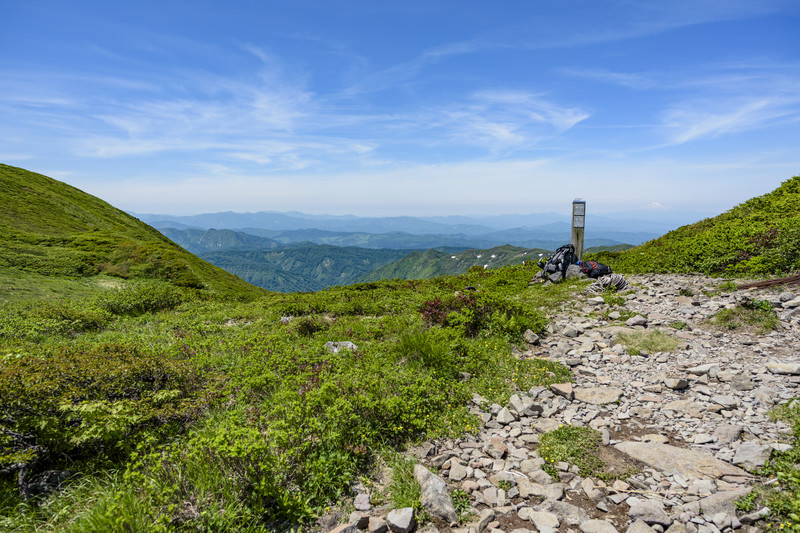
(303,268)
(758,237)
(72,242)
(432,263)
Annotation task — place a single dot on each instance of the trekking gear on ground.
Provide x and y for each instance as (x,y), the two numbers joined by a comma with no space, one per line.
(593,269)
(615,282)
(559,261)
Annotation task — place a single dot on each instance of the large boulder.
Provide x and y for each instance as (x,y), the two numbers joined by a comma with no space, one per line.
(435,497)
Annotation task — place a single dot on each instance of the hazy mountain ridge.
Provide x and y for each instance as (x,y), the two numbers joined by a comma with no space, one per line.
(658,222)
(214,240)
(548,237)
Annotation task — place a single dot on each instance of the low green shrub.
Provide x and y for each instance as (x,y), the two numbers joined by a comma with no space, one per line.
(752,315)
(90,403)
(291,424)
(576,445)
(138,298)
(473,313)
(650,341)
(782,497)
(67,318)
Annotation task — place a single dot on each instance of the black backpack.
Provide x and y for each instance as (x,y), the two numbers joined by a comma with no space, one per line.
(559,261)
(593,269)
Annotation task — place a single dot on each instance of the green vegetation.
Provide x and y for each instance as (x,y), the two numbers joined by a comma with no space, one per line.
(431,263)
(575,445)
(782,497)
(226,415)
(611,298)
(404,491)
(462,503)
(578,446)
(759,237)
(54,231)
(649,341)
(757,316)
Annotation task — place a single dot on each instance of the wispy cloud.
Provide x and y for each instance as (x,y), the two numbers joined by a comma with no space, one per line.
(733,98)
(695,122)
(390,77)
(631,80)
(504,119)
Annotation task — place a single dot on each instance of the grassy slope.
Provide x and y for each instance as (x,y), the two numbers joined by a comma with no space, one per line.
(759,237)
(56,232)
(432,263)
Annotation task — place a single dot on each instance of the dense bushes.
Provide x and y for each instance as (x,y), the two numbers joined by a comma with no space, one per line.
(139,298)
(72,317)
(294,424)
(89,402)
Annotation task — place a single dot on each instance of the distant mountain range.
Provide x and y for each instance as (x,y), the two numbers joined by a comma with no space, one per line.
(293,251)
(539,230)
(286,266)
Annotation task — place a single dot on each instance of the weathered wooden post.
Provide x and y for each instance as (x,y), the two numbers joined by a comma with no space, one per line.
(578,225)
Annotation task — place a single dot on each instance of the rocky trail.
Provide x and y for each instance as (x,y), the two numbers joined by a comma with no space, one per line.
(692,423)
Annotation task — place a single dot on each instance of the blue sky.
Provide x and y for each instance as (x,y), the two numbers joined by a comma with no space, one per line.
(404,108)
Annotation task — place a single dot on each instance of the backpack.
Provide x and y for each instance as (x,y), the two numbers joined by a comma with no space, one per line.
(593,269)
(559,261)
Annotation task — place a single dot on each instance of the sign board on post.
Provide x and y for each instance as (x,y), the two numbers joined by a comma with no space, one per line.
(578,226)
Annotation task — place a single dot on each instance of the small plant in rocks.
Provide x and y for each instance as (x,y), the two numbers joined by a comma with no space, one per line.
(752,315)
(612,298)
(651,341)
(462,503)
(575,445)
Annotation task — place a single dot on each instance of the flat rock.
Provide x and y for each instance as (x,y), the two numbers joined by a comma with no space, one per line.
(676,383)
(640,526)
(504,416)
(495,448)
(457,471)
(648,511)
(637,320)
(563,389)
(687,406)
(688,463)
(598,526)
(484,518)
(377,525)
(544,521)
(784,368)
(751,455)
(335,347)
(568,514)
(720,502)
(598,395)
(361,502)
